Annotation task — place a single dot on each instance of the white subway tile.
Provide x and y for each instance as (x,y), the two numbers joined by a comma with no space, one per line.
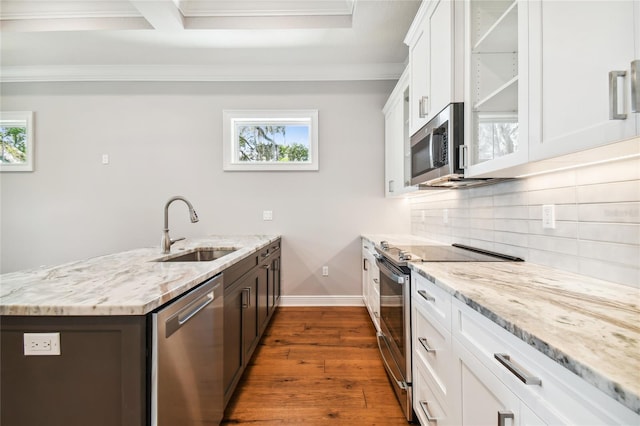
(563,229)
(554,244)
(555,260)
(618,171)
(610,272)
(520,226)
(610,232)
(610,212)
(621,254)
(511,212)
(553,196)
(628,191)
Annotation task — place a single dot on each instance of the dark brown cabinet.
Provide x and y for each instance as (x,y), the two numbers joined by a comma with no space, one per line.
(99,378)
(249,303)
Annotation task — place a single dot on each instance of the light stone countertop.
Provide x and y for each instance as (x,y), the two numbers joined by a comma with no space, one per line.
(587,325)
(126,283)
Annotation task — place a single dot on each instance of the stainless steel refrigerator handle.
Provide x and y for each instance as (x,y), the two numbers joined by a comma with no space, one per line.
(425,409)
(635,89)
(524,376)
(614,114)
(504,415)
(396,278)
(401,384)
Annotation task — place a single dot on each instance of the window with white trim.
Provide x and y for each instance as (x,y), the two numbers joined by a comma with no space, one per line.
(270,139)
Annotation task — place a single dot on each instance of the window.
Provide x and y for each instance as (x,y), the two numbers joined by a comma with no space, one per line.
(270,139)
(16,146)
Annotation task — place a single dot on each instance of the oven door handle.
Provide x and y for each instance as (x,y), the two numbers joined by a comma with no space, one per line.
(401,383)
(389,273)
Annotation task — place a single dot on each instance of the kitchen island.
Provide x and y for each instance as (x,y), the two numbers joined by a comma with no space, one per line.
(588,326)
(102,311)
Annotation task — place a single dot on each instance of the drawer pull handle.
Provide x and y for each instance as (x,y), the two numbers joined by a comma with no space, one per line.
(426,296)
(521,374)
(425,408)
(504,415)
(425,344)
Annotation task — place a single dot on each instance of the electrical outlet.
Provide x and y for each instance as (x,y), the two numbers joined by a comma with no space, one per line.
(325,271)
(549,216)
(445,216)
(105,159)
(41,343)
(267,215)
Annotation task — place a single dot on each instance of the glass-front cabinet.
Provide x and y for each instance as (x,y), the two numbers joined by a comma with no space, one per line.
(496,85)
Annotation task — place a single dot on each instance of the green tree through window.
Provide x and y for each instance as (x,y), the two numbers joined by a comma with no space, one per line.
(13,147)
(269,144)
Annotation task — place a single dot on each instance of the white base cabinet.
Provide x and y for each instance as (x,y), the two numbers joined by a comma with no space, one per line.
(470,371)
(371,282)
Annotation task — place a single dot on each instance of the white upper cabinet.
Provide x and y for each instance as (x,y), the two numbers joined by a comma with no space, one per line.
(397,159)
(496,85)
(435,42)
(574,48)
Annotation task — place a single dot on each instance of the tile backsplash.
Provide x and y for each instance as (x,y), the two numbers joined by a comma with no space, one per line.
(597,219)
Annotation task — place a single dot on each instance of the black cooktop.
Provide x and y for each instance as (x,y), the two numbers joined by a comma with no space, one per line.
(444,253)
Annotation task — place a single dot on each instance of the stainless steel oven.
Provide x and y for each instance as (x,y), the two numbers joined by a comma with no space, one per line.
(394,337)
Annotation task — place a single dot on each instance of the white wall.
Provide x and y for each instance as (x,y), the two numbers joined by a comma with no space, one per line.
(164,139)
(597,219)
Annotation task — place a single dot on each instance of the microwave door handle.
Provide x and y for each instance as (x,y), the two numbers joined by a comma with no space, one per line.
(431,149)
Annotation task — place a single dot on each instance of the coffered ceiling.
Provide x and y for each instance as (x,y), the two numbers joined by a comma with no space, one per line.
(203,40)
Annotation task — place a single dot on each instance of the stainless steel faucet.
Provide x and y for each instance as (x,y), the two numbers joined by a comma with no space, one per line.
(166,240)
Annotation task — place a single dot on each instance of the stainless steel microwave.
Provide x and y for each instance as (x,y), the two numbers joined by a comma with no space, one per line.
(436,149)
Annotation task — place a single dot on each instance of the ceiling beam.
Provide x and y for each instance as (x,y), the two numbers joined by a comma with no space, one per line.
(161,14)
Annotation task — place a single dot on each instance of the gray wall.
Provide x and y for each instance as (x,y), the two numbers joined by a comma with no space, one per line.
(164,139)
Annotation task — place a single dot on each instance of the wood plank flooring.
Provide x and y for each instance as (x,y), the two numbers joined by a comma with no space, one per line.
(316,366)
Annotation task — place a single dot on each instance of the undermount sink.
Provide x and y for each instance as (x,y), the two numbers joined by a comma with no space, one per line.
(201,254)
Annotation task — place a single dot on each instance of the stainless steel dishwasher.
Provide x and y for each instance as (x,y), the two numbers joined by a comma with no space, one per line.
(186,371)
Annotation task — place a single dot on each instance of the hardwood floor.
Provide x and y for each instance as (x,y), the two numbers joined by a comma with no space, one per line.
(316,366)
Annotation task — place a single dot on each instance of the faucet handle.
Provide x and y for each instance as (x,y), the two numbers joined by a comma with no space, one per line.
(176,240)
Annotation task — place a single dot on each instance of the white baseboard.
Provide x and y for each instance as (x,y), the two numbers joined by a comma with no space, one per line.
(321,301)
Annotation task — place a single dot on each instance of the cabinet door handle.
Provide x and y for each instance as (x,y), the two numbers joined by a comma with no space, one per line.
(246,297)
(425,409)
(614,114)
(635,89)
(364,264)
(521,374)
(266,266)
(423,106)
(426,296)
(504,415)
(391,185)
(462,157)
(425,345)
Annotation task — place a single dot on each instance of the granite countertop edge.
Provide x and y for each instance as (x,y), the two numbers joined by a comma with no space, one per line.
(125,283)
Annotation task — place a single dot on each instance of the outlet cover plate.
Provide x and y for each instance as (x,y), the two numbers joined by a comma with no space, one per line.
(41,343)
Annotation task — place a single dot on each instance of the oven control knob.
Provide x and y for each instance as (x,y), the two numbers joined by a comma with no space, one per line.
(384,245)
(404,255)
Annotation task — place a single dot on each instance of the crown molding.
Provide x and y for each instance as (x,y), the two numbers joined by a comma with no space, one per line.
(208,73)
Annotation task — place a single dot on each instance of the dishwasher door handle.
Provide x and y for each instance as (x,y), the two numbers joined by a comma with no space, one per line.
(183,316)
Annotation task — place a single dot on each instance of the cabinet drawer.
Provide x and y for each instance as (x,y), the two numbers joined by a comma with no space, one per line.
(428,404)
(553,391)
(432,346)
(436,301)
